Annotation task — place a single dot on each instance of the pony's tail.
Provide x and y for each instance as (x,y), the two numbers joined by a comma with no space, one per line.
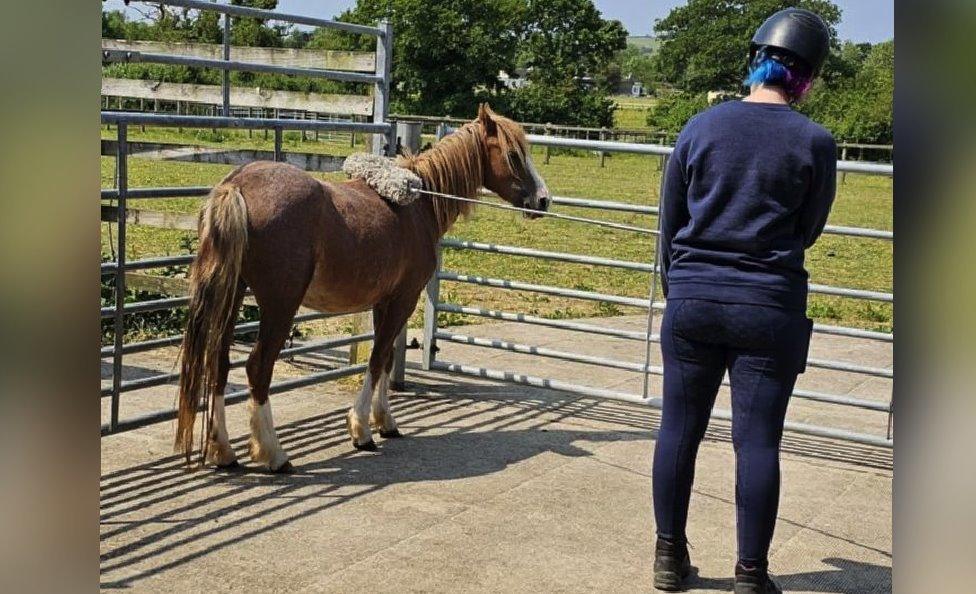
(214,282)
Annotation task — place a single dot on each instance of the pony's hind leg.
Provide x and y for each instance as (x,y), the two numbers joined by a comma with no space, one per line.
(219,451)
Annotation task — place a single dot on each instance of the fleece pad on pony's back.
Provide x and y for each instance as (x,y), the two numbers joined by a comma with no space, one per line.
(393,183)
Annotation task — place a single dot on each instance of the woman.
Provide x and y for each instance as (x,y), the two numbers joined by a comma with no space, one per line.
(747,190)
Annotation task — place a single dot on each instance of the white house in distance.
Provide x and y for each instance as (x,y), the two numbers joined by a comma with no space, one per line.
(627,86)
(516,81)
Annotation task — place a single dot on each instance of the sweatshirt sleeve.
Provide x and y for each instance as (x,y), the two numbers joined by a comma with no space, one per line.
(822,189)
(674,206)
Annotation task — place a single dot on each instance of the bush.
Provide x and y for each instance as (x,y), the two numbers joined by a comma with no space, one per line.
(673,111)
(567,104)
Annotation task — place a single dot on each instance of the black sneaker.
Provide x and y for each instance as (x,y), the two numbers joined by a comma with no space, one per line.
(671,564)
(754,580)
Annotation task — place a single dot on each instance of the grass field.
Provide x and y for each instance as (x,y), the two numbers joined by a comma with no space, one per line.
(863,201)
(631,113)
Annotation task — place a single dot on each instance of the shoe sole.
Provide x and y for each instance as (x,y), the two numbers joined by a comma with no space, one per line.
(754,589)
(668,581)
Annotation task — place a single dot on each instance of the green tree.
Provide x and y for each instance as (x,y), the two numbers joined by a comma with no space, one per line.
(254,32)
(565,42)
(566,39)
(637,62)
(564,102)
(444,51)
(705,42)
(673,111)
(859,108)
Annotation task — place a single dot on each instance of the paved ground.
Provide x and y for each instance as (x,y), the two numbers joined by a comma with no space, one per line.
(496,488)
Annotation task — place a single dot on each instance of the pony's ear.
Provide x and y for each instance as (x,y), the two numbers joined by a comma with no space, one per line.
(485,117)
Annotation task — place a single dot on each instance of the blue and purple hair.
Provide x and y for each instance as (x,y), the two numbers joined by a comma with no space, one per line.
(775,70)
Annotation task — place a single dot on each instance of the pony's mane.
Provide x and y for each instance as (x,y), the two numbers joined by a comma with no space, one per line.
(455,165)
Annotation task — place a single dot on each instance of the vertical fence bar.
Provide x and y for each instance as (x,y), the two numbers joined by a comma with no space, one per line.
(278,155)
(122,169)
(381,90)
(645,388)
(433,294)
(225,80)
(891,411)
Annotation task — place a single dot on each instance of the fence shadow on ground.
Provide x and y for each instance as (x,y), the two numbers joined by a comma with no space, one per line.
(847,577)
(644,418)
(162,512)
(164,516)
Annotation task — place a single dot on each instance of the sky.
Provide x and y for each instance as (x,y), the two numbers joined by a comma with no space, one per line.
(862,20)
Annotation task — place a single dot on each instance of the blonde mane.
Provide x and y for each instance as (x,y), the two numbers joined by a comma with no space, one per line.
(456,164)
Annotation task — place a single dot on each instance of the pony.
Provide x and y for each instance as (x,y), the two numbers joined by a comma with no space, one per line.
(334,247)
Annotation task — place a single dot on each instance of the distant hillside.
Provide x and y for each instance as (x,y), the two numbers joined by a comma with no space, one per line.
(646,43)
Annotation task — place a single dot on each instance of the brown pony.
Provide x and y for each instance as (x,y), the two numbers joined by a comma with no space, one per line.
(334,247)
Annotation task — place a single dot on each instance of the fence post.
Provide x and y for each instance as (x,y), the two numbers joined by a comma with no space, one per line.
(433,291)
(399,360)
(548,133)
(433,294)
(843,157)
(122,172)
(381,91)
(359,351)
(278,155)
(653,287)
(603,154)
(663,160)
(225,79)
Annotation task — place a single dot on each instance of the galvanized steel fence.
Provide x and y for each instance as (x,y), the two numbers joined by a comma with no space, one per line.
(122,193)
(380,81)
(434,305)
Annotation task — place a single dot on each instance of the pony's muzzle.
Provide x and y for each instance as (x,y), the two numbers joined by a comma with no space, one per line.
(540,202)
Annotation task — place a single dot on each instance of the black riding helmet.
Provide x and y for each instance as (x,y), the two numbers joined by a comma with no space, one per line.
(797,32)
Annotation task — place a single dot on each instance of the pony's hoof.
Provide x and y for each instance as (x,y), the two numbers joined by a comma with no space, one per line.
(393,433)
(285,468)
(369,446)
(232,466)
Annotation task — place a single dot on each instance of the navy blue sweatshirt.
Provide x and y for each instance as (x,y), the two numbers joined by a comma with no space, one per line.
(747,190)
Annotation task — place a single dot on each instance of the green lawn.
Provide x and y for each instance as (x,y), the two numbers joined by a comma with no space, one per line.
(631,113)
(863,201)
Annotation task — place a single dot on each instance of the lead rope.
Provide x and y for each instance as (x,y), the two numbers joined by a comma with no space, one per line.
(542,213)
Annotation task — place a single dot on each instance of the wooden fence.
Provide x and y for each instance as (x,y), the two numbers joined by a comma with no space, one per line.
(325,103)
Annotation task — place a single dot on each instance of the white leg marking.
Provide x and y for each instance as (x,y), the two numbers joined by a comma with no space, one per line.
(219,451)
(381,418)
(358,418)
(265,448)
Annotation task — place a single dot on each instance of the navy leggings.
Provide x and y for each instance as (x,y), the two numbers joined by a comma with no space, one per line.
(763,349)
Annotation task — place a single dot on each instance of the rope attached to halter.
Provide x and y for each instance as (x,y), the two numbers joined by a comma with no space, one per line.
(542,213)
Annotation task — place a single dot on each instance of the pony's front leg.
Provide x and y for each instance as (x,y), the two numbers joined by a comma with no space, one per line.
(381,418)
(357,421)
